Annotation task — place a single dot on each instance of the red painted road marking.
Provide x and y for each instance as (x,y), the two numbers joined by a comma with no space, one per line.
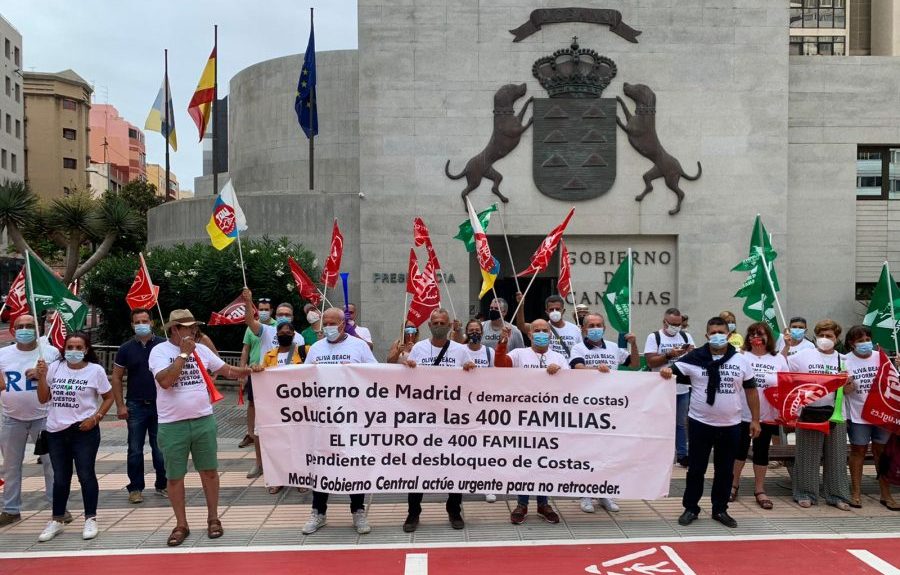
(752,557)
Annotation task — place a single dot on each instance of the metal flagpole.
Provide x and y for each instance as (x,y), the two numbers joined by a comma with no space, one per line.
(522,301)
(215,121)
(37,324)
(237,230)
(772,287)
(630,287)
(508,250)
(313,119)
(891,297)
(403,322)
(168,129)
(447,289)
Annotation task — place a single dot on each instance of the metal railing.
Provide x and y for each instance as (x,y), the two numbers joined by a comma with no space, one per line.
(107,356)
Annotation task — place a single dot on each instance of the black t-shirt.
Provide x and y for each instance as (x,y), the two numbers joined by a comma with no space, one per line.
(133,356)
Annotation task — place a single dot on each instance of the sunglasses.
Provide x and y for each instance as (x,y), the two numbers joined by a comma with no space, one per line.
(265,300)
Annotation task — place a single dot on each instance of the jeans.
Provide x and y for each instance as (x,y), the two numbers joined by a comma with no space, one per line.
(320,502)
(14,435)
(142,421)
(723,441)
(541,499)
(682,404)
(72,444)
(414,501)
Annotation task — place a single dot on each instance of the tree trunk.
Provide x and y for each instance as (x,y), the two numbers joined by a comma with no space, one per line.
(18,240)
(98,255)
(73,251)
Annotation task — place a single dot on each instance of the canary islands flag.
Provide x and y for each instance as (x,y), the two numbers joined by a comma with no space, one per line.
(227,220)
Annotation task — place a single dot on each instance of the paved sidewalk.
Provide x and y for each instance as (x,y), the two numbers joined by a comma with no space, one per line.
(251,516)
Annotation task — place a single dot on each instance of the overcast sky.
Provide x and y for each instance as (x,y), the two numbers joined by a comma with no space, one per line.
(118,47)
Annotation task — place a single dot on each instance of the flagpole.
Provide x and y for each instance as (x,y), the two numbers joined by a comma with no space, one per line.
(215,121)
(512,264)
(522,301)
(630,288)
(312,119)
(165,191)
(403,321)
(447,289)
(37,323)
(574,301)
(891,298)
(237,229)
(772,287)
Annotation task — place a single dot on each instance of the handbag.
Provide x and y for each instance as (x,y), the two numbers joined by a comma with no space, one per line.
(816,413)
(41,445)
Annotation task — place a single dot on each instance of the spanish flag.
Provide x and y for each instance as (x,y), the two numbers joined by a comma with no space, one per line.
(227,219)
(200,107)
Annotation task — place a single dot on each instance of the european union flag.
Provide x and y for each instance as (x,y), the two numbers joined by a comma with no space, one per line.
(305,102)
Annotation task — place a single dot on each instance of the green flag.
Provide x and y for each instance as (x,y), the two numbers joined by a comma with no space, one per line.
(760,245)
(617,297)
(45,292)
(465,234)
(760,302)
(881,316)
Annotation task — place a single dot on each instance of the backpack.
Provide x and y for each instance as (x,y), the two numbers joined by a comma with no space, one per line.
(659,339)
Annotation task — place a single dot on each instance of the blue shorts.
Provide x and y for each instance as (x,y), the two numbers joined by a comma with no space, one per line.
(863,433)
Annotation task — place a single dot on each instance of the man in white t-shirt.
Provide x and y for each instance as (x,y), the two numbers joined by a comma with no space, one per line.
(718,375)
(563,334)
(660,350)
(362,333)
(23,416)
(186,421)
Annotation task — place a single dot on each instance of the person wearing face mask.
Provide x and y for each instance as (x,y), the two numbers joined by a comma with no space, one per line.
(314,319)
(581,312)
(480,355)
(337,347)
(759,348)
(811,444)
(400,349)
(361,332)
(23,416)
(862,365)
(79,395)
(794,338)
(538,356)
(250,355)
(593,352)
(734,337)
(139,405)
(718,376)
(563,334)
(492,328)
(438,351)
(662,348)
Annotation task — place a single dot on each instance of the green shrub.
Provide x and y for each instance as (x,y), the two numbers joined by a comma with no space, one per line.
(200,278)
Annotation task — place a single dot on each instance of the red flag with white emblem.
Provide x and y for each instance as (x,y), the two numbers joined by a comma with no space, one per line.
(232,314)
(305,286)
(422,238)
(796,390)
(541,258)
(482,249)
(424,289)
(16,300)
(882,407)
(56,331)
(564,285)
(333,263)
(143,294)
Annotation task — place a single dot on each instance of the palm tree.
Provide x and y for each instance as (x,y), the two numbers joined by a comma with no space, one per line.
(70,222)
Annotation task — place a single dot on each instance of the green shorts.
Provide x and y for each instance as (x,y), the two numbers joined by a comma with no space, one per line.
(195,436)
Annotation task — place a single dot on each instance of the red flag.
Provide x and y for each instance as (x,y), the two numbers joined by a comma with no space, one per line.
(305,286)
(421,238)
(882,407)
(17,301)
(231,314)
(333,263)
(564,285)
(541,258)
(798,389)
(56,331)
(142,293)
(424,289)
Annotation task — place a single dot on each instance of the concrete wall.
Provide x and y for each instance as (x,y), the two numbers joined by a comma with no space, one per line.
(885,28)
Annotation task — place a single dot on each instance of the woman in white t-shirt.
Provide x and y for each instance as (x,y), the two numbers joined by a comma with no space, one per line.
(80,395)
(479,354)
(759,349)
(812,445)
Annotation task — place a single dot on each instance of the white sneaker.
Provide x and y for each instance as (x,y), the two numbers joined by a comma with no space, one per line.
(490,498)
(359,521)
(609,504)
(316,520)
(587,505)
(90,528)
(52,529)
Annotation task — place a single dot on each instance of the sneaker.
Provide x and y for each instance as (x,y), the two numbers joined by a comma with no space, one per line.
(456,521)
(255,472)
(360,522)
(490,498)
(411,523)
(316,520)
(9,518)
(519,515)
(246,442)
(609,504)
(687,517)
(548,513)
(90,528)
(67,518)
(52,529)
(163,493)
(587,505)
(135,497)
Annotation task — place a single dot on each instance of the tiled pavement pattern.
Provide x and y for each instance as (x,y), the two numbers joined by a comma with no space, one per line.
(250,516)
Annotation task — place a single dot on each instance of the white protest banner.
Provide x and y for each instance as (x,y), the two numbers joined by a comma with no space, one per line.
(391,428)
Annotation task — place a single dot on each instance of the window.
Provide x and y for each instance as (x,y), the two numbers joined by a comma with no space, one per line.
(19,129)
(878,173)
(69,133)
(68,104)
(66,191)
(8,87)
(818,13)
(8,124)
(18,93)
(3,159)
(70,163)
(818,46)
(132,134)
(7,48)
(14,164)
(18,56)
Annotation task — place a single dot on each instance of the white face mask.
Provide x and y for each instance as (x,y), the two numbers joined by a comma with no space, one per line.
(312,316)
(555,316)
(824,344)
(672,329)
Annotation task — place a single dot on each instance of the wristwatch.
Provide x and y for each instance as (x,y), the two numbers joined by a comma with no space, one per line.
(183,356)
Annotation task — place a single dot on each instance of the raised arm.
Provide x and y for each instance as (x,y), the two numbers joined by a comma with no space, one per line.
(249,319)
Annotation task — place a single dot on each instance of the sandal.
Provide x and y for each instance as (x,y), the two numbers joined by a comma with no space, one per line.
(178,535)
(840,504)
(214,529)
(274,490)
(734,493)
(765,503)
(856,502)
(804,503)
(892,505)
(302,490)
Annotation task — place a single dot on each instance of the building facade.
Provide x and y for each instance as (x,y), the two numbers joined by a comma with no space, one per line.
(57,154)
(156,175)
(12,108)
(118,142)
(436,88)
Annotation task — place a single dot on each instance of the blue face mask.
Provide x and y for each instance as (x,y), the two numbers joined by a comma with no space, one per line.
(265,316)
(410,330)
(25,335)
(864,347)
(74,356)
(283,319)
(540,338)
(143,329)
(595,333)
(798,333)
(718,340)
(332,332)
(732,327)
